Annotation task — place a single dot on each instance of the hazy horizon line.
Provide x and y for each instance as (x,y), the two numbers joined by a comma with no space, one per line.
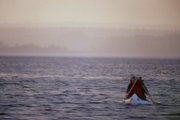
(84,56)
(59,51)
(157,28)
(90,42)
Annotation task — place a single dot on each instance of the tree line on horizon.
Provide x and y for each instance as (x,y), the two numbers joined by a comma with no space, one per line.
(30,49)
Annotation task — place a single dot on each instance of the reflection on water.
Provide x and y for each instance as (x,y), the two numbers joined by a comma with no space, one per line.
(35,88)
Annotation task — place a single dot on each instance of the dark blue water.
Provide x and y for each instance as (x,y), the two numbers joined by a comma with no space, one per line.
(55,88)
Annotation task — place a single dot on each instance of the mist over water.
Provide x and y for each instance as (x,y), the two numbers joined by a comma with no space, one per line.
(53,88)
(90,41)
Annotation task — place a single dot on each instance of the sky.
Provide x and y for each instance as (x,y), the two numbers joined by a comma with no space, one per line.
(97,15)
(143,13)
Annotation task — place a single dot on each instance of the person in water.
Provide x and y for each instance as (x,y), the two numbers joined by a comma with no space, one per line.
(136,86)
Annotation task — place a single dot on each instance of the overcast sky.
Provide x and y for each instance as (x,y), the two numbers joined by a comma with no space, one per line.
(144,13)
(128,14)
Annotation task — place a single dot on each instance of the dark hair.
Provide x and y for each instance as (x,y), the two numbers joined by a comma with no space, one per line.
(133,77)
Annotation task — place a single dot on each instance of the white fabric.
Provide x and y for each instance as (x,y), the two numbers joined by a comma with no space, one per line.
(135,100)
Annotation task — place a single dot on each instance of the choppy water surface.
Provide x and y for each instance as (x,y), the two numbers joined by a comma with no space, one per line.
(52,88)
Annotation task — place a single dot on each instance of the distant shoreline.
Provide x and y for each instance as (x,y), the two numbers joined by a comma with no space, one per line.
(97,57)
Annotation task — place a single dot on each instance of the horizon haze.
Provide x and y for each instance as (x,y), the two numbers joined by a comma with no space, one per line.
(116,28)
(97,42)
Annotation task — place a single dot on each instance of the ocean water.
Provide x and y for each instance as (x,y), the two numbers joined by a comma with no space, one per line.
(57,88)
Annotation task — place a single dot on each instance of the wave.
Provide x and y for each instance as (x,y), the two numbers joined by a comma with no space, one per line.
(34,76)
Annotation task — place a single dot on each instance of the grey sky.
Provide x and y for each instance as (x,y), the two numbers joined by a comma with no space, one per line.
(144,13)
(39,22)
